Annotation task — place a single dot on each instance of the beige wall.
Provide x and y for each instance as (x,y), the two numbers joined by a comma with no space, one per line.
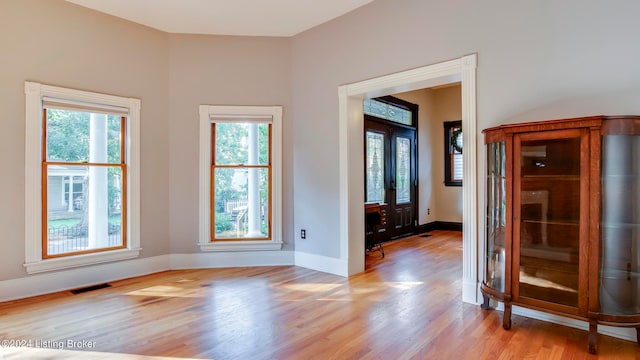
(448,199)
(220,70)
(435,107)
(427,162)
(57,43)
(536,60)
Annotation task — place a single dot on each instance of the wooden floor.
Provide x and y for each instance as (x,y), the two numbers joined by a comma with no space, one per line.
(405,306)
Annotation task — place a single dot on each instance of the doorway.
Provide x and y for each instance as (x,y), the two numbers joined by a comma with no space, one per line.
(351,125)
(391,166)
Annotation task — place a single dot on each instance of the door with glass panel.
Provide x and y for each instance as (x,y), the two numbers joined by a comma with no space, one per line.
(390,175)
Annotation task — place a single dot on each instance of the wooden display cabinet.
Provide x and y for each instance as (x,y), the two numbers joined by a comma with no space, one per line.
(563,219)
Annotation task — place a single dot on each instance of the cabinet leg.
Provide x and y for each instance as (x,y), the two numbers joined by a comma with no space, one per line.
(638,335)
(485,302)
(506,318)
(593,336)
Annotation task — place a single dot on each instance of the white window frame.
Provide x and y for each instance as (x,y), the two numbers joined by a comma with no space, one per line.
(209,113)
(34,94)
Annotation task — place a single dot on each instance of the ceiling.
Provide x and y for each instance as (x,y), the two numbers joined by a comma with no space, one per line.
(226,17)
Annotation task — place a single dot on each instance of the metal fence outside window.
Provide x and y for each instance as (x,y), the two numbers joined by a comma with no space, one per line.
(65,239)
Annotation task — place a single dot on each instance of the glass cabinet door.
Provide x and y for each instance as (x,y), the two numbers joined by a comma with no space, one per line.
(547,203)
(620,246)
(496,216)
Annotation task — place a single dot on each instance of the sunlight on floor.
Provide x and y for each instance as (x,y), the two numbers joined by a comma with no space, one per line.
(400,285)
(168,291)
(310,287)
(372,290)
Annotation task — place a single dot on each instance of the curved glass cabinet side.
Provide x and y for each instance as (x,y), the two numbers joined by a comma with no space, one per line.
(496,216)
(620,226)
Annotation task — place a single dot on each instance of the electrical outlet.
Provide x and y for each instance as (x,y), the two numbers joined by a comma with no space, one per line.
(428,211)
(303,234)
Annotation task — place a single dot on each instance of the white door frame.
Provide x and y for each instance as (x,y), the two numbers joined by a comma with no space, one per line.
(351,142)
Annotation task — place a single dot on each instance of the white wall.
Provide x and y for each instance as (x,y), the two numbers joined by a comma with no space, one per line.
(536,60)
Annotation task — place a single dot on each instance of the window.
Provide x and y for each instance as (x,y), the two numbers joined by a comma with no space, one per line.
(86,216)
(453,153)
(375,166)
(386,107)
(81,178)
(240,181)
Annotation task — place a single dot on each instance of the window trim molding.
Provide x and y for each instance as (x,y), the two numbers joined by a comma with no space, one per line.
(207,113)
(34,94)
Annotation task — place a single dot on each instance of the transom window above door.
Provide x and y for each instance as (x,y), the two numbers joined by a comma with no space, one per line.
(380,108)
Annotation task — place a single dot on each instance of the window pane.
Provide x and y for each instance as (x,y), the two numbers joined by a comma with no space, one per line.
(550,212)
(241,203)
(453,161)
(241,143)
(457,168)
(375,167)
(75,136)
(619,249)
(86,215)
(387,111)
(403,170)
(496,216)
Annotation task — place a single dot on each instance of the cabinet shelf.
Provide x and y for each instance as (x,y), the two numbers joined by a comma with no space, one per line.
(549,253)
(558,177)
(552,222)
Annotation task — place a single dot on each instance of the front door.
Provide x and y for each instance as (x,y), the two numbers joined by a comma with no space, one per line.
(390,175)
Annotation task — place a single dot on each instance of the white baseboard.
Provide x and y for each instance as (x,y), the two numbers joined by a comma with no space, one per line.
(73,278)
(617,332)
(470,292)
(230,259)
(322,263)
(46,283)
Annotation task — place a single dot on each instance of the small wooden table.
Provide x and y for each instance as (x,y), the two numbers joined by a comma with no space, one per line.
(374,217)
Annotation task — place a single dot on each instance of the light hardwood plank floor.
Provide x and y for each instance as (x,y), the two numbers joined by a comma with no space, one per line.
(405,306)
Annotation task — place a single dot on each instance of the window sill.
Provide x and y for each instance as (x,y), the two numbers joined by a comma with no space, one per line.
(80,260)
(240,246)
